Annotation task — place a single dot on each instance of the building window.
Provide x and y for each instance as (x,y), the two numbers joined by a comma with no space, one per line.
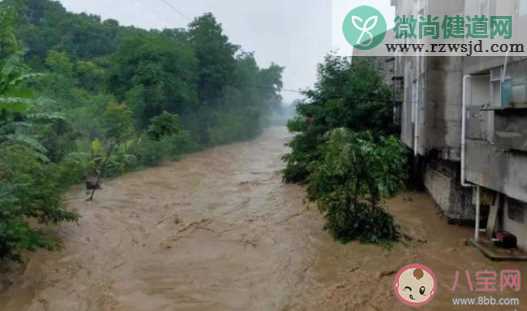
(500,89)
(495,93)
(523,8)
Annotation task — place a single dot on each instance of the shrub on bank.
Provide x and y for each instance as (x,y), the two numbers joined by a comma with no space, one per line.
(343,150)
(30,188)
(356,172)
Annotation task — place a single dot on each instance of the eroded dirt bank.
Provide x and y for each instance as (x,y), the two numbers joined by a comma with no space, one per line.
(219,231)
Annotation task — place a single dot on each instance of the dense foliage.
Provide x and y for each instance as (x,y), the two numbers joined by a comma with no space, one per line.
(110,99)
(344,150)
(29,182)
(356,171)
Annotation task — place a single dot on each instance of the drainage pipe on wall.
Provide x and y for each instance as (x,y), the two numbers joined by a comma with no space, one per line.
(476,190)
(466,81)
(419,69)
(416,120)
(478,209)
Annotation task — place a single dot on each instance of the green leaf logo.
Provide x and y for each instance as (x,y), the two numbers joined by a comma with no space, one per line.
(364,27)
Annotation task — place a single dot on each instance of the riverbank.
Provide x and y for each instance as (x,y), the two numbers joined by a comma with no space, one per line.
(219,230)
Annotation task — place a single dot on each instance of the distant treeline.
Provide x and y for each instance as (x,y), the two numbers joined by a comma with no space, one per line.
(109,99)
(195,72)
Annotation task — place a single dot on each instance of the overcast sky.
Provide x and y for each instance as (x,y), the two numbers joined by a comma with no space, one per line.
(292,33)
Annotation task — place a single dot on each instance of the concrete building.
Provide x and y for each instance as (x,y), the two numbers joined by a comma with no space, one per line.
(465,119)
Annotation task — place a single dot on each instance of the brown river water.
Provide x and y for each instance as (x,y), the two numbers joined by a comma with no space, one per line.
(219,230)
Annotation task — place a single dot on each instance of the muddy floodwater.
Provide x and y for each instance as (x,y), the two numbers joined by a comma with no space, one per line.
(219,230)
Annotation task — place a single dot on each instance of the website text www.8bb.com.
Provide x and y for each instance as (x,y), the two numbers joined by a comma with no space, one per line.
(468,49)
(489,301)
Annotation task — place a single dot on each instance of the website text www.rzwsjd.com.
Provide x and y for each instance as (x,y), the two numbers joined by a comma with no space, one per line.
(468,49)
(485,301)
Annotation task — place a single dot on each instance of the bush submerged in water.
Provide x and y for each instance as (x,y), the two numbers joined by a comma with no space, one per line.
(343,150)
(355,173)
(348,221)
(29,189)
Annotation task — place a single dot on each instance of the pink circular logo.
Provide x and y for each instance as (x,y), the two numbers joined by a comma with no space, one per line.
(415,285)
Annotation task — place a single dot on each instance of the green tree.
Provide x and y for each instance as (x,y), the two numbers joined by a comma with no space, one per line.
(215,55)
(117,123)
(154,74)
(164,125)
(347,95)
(90,75)
(344,152)
(356,171)
(30,186)
(9,44)
(60,81)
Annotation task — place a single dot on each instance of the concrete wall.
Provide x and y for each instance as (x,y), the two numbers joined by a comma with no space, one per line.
(432,95)
(410,96)
(441,117)
(497,138)
(497,169)
(496,155)
(442,182)
(431,114)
